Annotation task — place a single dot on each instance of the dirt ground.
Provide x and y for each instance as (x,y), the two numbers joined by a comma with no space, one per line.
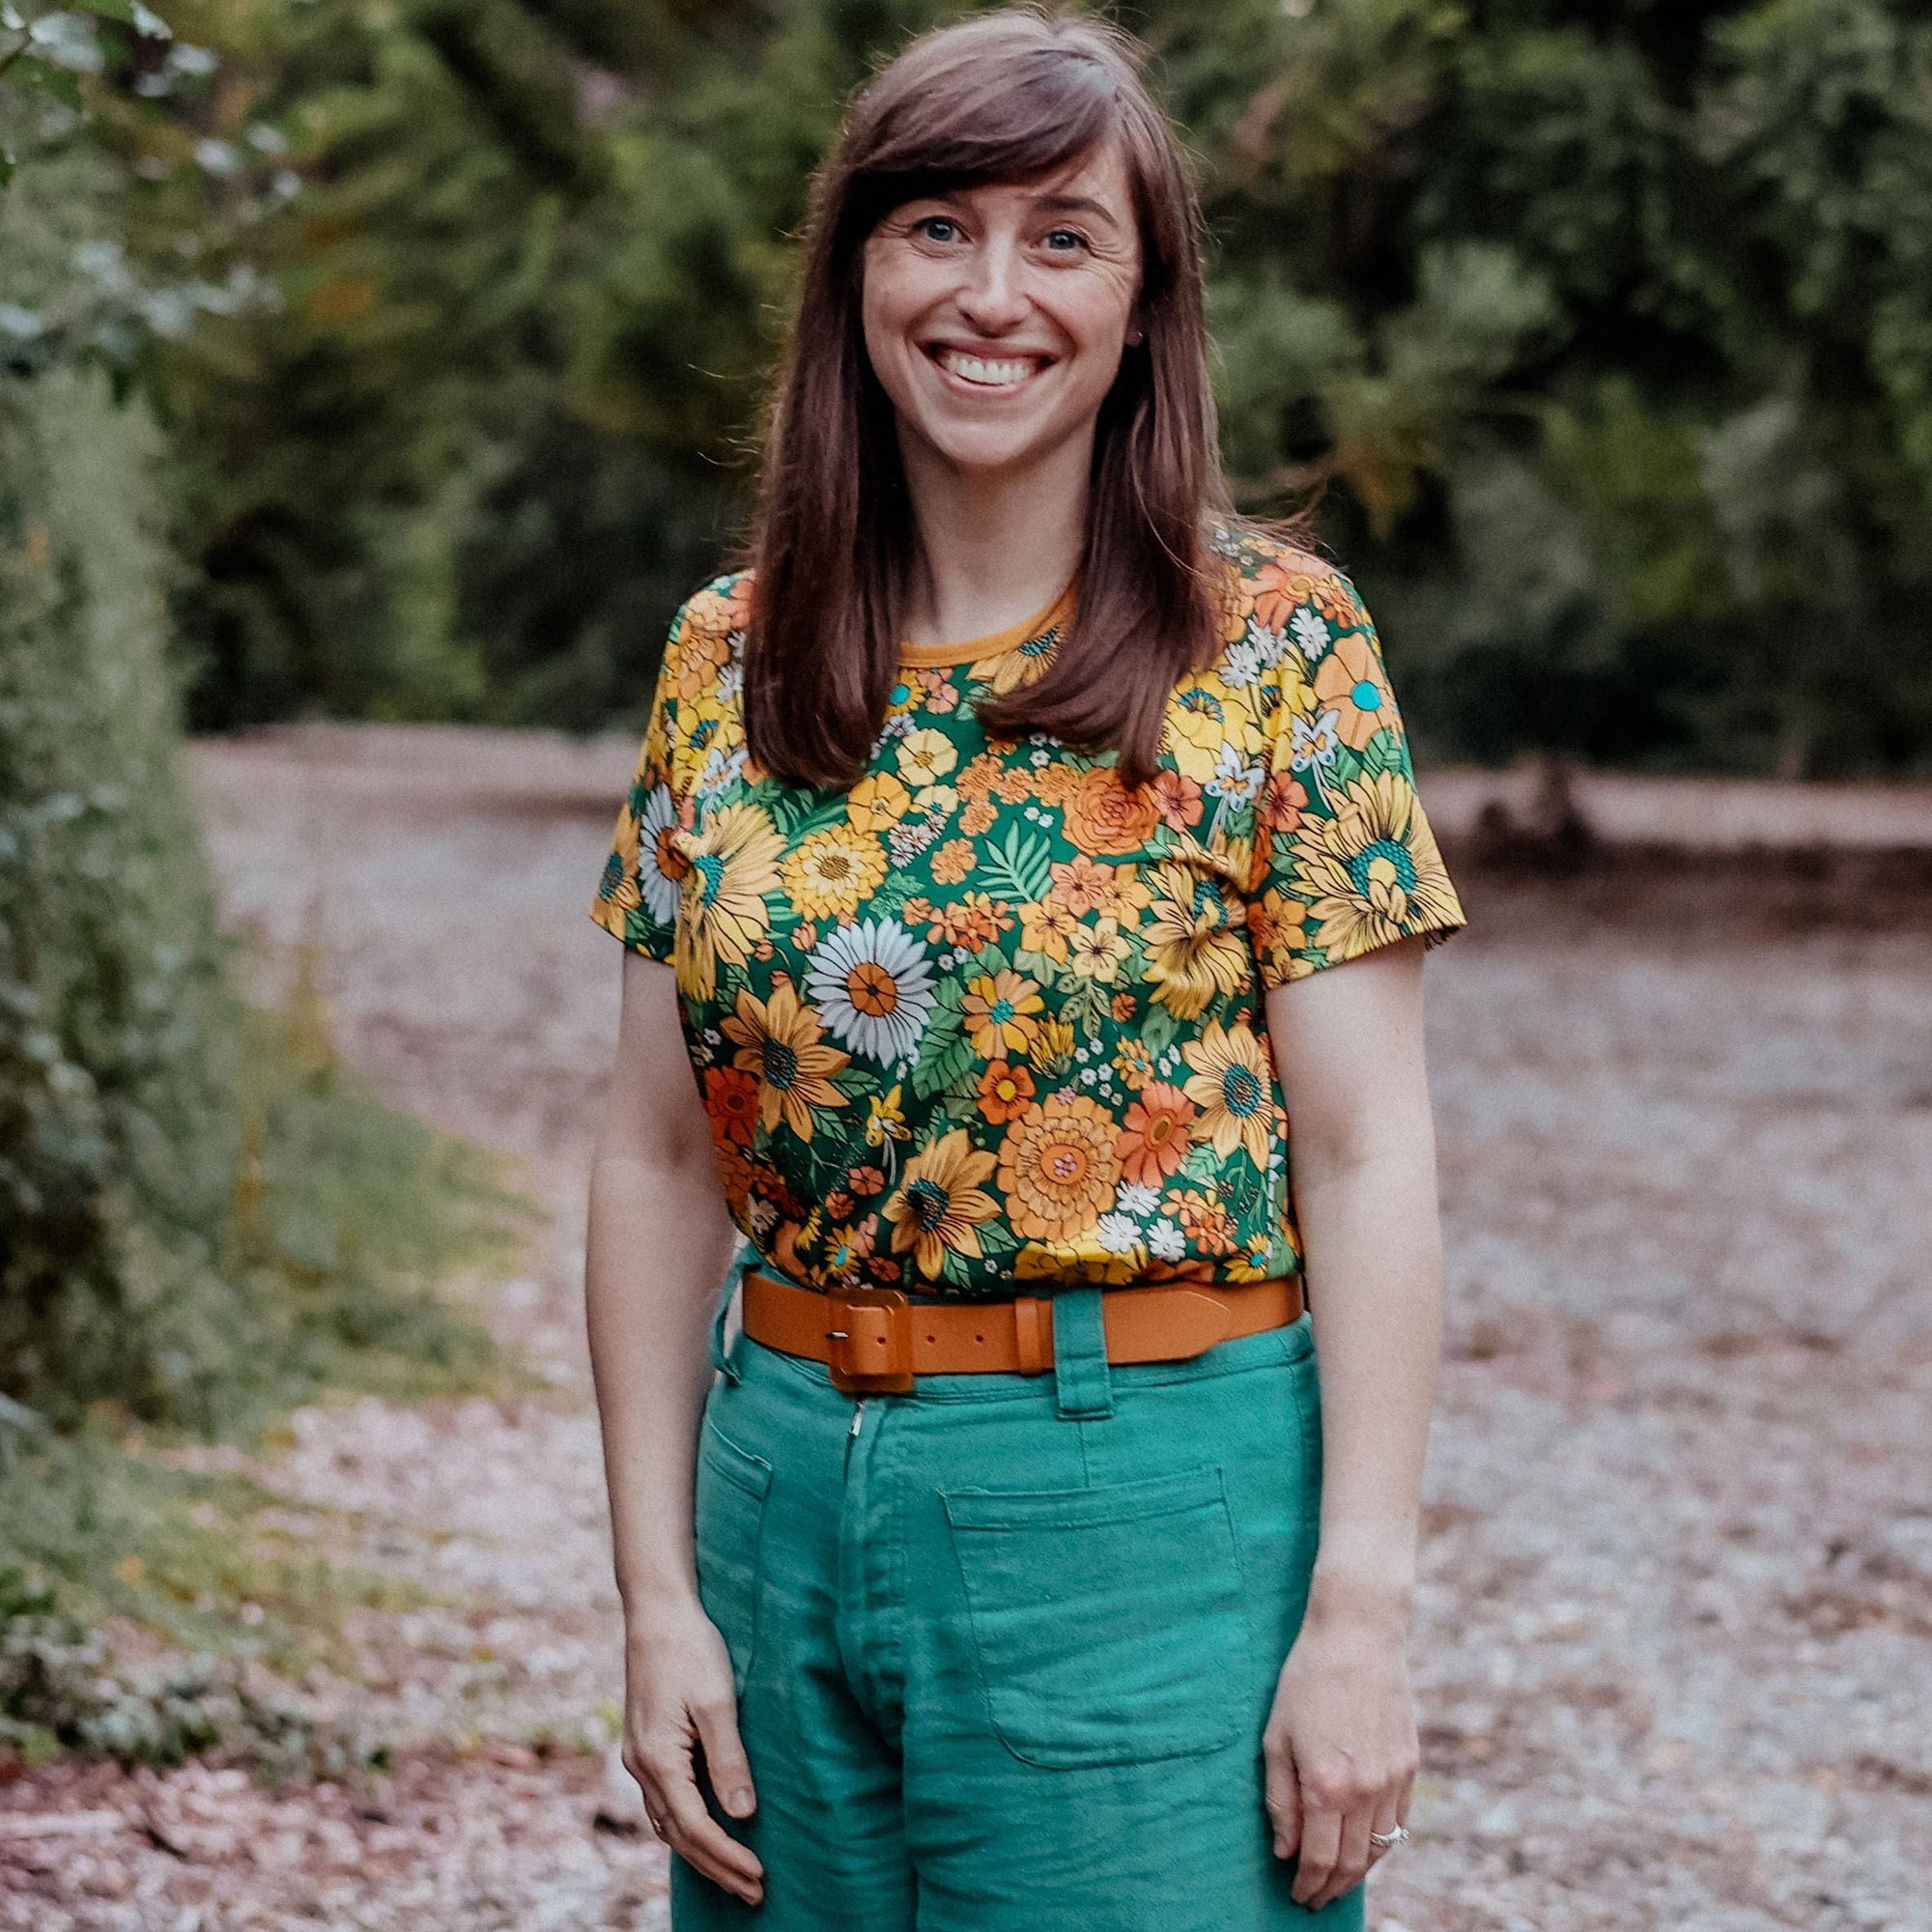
(1674,1643)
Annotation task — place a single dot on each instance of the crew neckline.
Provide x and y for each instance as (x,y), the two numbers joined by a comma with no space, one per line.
(996,642)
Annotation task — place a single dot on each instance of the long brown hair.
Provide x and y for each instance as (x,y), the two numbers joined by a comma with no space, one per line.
(1005,95)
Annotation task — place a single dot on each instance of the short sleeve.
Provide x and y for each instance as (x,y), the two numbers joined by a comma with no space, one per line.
(638,890)
(1345,859)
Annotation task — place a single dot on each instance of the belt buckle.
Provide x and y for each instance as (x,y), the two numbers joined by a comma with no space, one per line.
(870,1341)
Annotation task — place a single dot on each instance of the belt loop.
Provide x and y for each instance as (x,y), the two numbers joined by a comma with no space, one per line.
(1082,1386)
(722,1352)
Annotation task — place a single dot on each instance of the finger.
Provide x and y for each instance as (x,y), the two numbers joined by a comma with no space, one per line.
(1386,1815)
(1320,1842)
(1284,1797)
(670,1790)
(1352,1855)
(725,1761)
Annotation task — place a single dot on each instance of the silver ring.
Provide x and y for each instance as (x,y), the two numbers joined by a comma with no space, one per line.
(1388,1839)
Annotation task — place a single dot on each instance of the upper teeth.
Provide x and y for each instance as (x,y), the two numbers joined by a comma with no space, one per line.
(977,369)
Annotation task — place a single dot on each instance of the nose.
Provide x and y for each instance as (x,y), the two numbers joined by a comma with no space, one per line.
(991,300)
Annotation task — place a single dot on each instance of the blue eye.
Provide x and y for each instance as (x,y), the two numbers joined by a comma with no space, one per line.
(939,228)
(1062,241)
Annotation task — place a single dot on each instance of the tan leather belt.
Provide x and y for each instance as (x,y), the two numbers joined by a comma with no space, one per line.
(875,1340)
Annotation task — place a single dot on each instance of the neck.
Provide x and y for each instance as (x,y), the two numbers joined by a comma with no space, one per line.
(995,546)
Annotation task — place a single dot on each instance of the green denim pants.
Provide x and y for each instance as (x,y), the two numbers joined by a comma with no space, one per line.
(1004,1646)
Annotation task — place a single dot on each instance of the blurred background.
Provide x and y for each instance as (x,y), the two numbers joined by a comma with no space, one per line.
(377,376)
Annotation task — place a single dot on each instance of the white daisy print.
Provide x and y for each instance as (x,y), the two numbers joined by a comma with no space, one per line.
(1166,1242)
(658,890)
(873,989)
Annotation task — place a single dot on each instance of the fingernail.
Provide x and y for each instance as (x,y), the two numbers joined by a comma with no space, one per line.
(738,1804)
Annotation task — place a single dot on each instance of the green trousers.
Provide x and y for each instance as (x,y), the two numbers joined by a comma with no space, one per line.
(1004,1647)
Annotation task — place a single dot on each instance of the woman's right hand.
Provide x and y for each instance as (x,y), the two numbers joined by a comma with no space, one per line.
(680,1700)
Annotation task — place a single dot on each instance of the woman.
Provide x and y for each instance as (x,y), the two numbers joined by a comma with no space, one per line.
(981,1586)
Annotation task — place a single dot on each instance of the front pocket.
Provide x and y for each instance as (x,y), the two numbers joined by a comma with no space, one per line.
(733,1485)
(1109,1622)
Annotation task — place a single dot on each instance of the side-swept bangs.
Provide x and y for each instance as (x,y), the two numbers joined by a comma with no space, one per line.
(1003,96)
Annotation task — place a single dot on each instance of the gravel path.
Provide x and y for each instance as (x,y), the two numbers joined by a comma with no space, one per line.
(1675,1636)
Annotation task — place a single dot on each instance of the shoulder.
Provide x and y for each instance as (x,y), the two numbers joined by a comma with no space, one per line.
(720,609)
(706,644)
(1270,580)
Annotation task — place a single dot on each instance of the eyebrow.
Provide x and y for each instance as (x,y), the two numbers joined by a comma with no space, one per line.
(1058,204)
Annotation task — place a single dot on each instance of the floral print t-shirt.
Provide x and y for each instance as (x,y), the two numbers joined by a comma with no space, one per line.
(992,1016)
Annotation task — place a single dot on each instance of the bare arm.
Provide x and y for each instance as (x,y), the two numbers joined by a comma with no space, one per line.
(1342,1743)
(658,1244)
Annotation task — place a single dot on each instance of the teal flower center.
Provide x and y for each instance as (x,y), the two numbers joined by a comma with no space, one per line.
(1000,1011)
(928,1203)
(1037,647)
(780,1064)
(1240,1092)
(1392,853)
(709,873)
(1366,697)
(613,877)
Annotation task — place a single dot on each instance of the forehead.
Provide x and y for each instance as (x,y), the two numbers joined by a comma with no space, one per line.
(1097,180)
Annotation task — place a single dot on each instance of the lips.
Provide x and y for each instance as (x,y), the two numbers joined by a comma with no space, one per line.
(985,371)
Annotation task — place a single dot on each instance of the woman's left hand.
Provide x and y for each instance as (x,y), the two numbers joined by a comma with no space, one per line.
(1341,1747)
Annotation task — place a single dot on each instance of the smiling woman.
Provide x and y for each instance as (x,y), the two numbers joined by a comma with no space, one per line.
(1002,296)
(1004,825)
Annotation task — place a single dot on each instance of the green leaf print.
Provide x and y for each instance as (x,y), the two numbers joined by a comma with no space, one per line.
(1158,1030)
(1018,868)
(1088,1006)
(944,1052)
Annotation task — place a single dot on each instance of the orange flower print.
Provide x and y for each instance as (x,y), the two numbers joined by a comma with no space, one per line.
(1101,815)
(953,861)
(864,1180)
(978,777)
(1006,1092)
(1177,798)
(1083,886)
(1156,1134)
(1349,682)
(1134,1065)
(999,1014)
(977,921)
(1058,1167)
(1282,803)
(1207,1223)
(1123,1008)
(977,817)
(1278,587)
(731,1100)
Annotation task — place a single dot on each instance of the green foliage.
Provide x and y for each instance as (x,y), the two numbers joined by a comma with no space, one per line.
(200,1213)
(1612,270)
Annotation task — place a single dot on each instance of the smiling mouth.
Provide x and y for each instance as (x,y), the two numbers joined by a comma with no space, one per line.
(987,372)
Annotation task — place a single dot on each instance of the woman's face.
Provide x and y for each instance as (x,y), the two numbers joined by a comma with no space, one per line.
(995,315)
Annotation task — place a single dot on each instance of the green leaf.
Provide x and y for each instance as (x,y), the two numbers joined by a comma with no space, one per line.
(1019,867)
(988,960)
(1158,1030)
(33,75)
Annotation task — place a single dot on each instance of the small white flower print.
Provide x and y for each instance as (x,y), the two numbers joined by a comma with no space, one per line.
(1136,1199)
(1242,665)
(1117,1234)
(1311,634)
(1166,1242)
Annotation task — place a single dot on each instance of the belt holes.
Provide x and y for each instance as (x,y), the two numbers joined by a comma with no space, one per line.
(978,1338)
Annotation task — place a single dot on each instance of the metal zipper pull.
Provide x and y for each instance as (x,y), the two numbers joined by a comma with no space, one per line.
(857,1416)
